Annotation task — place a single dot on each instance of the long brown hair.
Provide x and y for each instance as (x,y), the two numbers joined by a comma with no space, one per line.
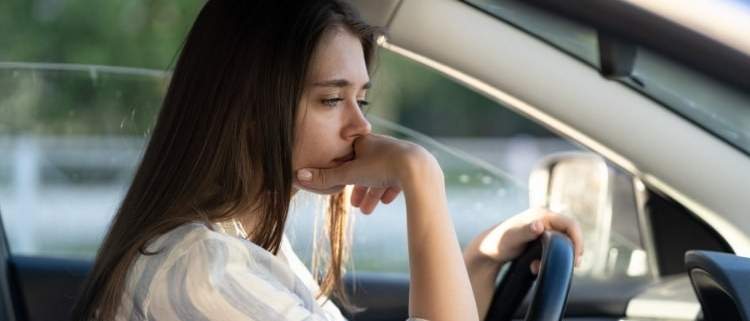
(222,144)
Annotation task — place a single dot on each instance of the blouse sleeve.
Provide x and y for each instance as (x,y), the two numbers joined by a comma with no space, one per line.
(217,280)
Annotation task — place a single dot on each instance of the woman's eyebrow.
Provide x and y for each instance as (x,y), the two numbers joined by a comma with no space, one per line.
(339,83)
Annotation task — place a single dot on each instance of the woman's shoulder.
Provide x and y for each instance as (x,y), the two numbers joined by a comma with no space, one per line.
(176,240)
(208,238)
(202,265)
(189,246)
(212,244)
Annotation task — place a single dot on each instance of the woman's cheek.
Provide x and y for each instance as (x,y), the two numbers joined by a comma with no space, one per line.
(310,155)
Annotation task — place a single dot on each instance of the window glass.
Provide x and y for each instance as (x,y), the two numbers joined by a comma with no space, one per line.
(79,90)
(572,37)
(720,109)
(71,137)
(716,107)
(132,33)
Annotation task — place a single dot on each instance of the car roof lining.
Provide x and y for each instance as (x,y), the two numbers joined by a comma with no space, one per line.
(378,13)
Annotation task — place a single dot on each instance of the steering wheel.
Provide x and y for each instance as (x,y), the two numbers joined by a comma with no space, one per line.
(553,281)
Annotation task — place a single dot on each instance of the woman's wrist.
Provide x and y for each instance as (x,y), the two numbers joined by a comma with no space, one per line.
(418,169)
(476,260)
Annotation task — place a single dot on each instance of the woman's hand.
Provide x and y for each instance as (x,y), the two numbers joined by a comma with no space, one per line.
(367,198)
(504,242)
(386,164)
(507,240)
(377,171)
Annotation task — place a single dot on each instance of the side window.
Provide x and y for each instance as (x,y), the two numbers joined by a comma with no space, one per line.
(75,112)
(70,138)
(487,153)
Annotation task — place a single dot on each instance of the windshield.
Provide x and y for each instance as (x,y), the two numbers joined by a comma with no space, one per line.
(720,109)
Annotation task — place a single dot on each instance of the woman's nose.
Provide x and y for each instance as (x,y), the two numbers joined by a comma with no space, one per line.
(357,124)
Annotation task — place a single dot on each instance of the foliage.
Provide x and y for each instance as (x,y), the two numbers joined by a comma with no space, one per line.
(148,34)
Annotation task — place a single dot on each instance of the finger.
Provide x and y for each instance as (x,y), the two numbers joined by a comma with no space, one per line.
(535,266)
(390,195)
(570,227)
(358,194)
(323,179)
(371,200)
(534,229)
(527,232)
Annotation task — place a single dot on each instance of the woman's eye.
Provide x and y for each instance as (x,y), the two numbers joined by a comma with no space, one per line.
(331,102)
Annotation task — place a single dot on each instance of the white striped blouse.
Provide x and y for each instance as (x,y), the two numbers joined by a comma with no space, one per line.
(204,274)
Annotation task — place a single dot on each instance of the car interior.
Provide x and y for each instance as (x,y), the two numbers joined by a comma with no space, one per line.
(40,288)
(692,230)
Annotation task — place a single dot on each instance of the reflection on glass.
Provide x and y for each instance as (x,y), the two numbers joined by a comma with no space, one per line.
(73,136)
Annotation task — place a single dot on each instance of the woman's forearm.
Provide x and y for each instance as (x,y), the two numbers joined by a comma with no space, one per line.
(440,287)
(482,274)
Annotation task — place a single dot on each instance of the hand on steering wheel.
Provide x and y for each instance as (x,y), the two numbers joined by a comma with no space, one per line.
(553,281)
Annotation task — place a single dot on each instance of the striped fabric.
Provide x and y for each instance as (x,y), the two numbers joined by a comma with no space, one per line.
(204,274)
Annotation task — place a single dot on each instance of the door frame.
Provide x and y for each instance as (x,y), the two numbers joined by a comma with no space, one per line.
(7,309)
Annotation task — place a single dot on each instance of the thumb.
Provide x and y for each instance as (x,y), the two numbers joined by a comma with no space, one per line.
(322,178)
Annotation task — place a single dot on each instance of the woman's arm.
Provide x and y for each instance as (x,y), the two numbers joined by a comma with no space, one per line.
(482,275)
(488,251)
(440,288)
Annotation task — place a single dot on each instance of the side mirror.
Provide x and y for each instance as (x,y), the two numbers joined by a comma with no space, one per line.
(583,186)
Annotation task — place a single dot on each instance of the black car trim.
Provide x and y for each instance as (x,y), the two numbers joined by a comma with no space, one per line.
(6,299)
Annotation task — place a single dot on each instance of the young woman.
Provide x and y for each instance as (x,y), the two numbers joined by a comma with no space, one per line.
(265,100)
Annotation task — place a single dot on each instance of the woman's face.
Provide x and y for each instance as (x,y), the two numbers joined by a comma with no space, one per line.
(330,117)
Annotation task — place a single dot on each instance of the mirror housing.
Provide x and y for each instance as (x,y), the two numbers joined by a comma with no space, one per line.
(578,184)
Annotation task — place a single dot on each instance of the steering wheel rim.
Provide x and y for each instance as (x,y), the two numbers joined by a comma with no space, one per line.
(553,281)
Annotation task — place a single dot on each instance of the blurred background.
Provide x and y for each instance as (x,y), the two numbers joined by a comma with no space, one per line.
(81,83)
